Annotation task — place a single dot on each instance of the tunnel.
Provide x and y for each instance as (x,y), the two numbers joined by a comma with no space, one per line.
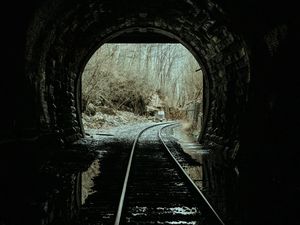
(250,100)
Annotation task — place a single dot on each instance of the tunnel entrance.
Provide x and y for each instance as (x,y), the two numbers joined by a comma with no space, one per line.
(126,83)
(57,53)
(56,61)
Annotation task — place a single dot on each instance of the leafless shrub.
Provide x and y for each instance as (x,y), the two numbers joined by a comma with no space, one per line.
(124,77)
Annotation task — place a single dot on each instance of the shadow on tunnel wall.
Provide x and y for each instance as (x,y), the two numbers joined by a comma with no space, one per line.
(260,182)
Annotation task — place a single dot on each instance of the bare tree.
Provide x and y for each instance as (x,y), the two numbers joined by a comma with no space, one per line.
(136,71)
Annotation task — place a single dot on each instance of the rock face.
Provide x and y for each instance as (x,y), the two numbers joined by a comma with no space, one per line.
(90,110)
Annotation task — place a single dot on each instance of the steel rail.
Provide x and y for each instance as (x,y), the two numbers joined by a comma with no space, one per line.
(188,177)
(121,201)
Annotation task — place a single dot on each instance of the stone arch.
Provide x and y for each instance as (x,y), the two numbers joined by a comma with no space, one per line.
(63,35)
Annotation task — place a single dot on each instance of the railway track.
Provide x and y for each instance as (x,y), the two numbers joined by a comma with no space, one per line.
(156,188)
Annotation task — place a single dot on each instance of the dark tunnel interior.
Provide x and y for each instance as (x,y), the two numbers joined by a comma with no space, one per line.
(248,50)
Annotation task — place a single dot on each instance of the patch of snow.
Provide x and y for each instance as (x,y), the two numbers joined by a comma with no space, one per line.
(179,210)
(105,121)
(178,222)
(87,180)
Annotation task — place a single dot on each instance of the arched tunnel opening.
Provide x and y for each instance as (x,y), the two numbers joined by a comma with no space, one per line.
(247,122)
(171,82)
(213,39)
(125,83)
